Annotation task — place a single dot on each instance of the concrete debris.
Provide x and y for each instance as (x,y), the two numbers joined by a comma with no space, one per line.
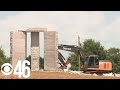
(41,70)
(65,70)
(111,74)
(117,75)
(94,74)
(81,73)
(75,72)
(106,74)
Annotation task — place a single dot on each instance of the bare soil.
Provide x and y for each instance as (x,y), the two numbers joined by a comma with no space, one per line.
(56,75)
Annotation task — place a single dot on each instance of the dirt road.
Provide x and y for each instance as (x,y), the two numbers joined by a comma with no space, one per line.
(57,75)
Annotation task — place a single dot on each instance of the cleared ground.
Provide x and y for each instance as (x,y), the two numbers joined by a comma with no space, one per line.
(57,75)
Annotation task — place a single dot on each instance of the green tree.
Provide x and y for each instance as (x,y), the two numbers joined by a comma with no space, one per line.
(91,46)
(29,59)
(113,54)
(75,62)
(2,57)
(75,58)
(41,61)
(88,47)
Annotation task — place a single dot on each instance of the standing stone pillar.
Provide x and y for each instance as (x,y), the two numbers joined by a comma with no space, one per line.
(51,51)
(17,47)
(35,51)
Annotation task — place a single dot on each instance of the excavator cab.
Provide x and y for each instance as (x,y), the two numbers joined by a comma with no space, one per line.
(92,61)
(94,64)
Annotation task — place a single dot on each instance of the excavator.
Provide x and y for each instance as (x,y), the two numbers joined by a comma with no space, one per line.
(90,63)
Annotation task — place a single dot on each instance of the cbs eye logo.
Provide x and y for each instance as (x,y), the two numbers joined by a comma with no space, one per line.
(21,69)
(6,69)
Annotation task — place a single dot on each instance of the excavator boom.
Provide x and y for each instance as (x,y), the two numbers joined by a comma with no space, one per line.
(71,48)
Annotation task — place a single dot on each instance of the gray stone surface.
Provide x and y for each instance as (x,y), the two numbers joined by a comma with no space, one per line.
(17,47)
(35,51)
(51,51)
(36,30)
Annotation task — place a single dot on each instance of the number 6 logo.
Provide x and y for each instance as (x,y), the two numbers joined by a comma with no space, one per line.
(21,69)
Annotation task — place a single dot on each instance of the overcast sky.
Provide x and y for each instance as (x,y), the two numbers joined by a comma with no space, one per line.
(101,26)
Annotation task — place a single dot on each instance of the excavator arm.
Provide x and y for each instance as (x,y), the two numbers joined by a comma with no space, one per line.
(71,48)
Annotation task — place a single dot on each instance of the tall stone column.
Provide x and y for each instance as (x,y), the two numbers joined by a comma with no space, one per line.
(17,47)
(35,51)
(51,51)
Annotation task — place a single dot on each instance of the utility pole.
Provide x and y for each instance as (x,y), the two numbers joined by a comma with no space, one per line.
(79,45)
(79,61)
